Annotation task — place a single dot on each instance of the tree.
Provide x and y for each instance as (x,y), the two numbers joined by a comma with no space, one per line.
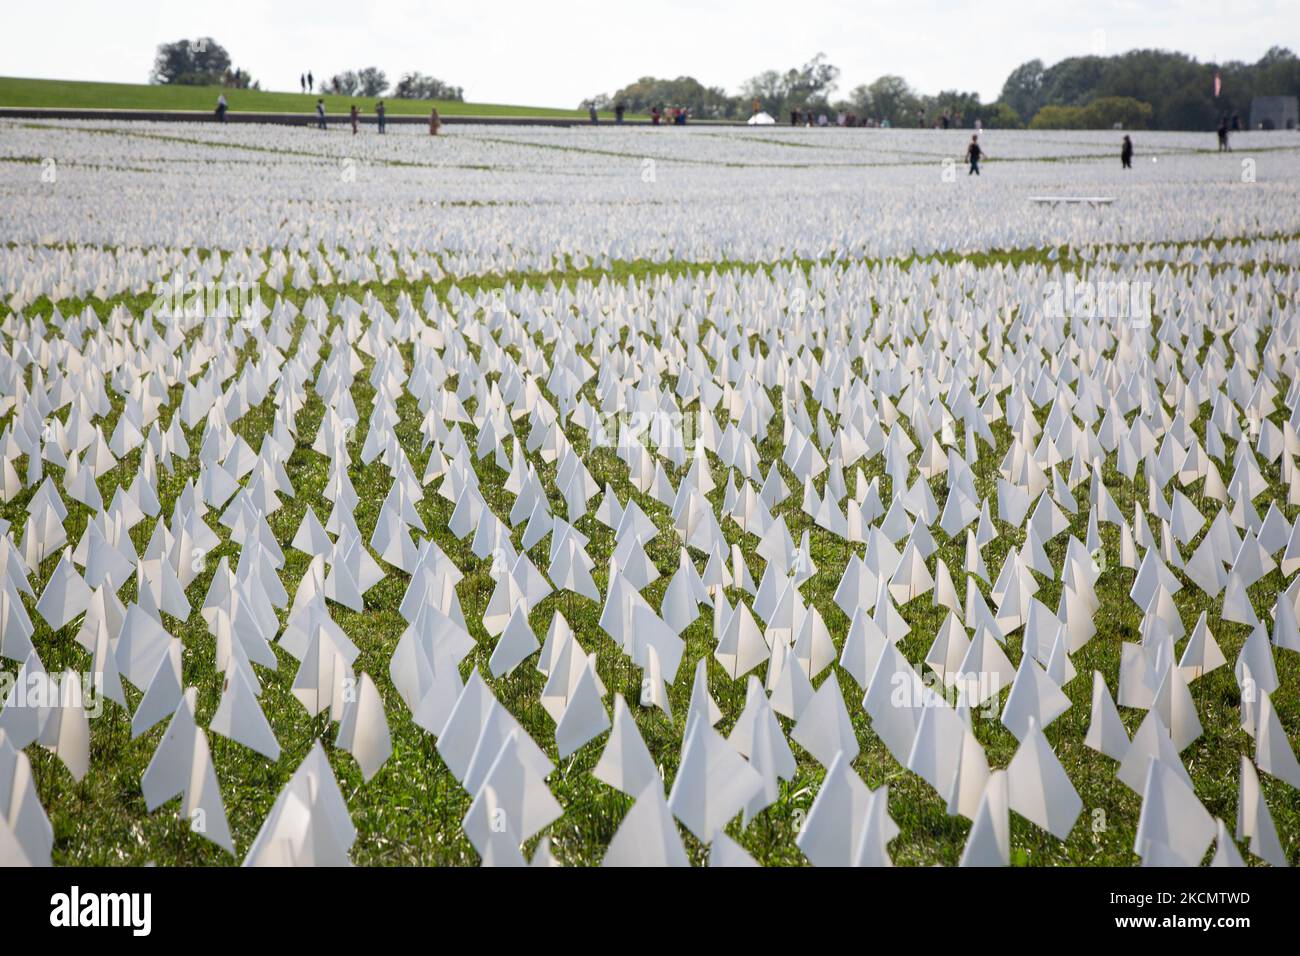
(1107,112)
(685,91)
(1023,90)
(201,62)
(1102,113)
(1178,89)
(961,108)
(768,88)
(1073,81)
(417,86)
(808,87)
(344,84)
(813,83)
(890,98)
(1000,116)
(1058,117)
(238,79)
(372,81)
(1188,109)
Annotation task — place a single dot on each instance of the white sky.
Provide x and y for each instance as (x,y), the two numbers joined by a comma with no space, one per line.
(557,52)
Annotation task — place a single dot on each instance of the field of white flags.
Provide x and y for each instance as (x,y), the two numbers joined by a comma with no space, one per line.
(647,496)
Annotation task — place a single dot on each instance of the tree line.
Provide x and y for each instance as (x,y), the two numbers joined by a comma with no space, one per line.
(1141,89)
(205,62)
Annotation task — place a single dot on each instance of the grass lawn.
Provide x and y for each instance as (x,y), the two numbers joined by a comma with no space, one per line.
(78,94)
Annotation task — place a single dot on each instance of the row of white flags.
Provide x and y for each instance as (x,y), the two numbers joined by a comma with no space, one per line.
(916,394)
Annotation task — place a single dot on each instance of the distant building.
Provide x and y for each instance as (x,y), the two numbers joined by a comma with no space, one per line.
(1274,112)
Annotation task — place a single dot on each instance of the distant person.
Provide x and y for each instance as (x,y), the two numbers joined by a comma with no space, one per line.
(311,83)
(1126,153)
(794,117)
(618,112)
(435,122)
(320,113)
(945,121)
(973,155)
(591,111)
(221,108)
(355,115)
(381,114)
(1223,134)
(654,115)
(302,82)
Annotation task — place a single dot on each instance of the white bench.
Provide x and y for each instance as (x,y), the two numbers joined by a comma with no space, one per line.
(1073,200)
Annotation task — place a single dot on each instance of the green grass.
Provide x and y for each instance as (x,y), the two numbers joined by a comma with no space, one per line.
(410,812)
(79,94)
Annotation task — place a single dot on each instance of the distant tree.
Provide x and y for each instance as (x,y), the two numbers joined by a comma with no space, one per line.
(768,88)
(417,86)
(962,108)
(1102,113)
(813,83)
(1074,81)
(372,81)
(1188,109)
(1278,73)
(200,62)
(808,87)
(344,84)
(1178,89)
(999,116)
(1107,112)
(238,79)
(1058,117)
(1023,90)
(888,98)
(685,91)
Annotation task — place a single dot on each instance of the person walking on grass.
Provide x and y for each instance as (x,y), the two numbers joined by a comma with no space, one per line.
(973,155)
(320,114)
(435,122)
(1126,153)
(379,112)
(221,108)
(311,82)
(355,115)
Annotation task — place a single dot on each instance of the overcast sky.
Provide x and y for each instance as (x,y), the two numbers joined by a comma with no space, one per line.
(557,52)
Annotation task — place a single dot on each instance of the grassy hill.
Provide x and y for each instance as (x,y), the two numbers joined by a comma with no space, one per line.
(78,94)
